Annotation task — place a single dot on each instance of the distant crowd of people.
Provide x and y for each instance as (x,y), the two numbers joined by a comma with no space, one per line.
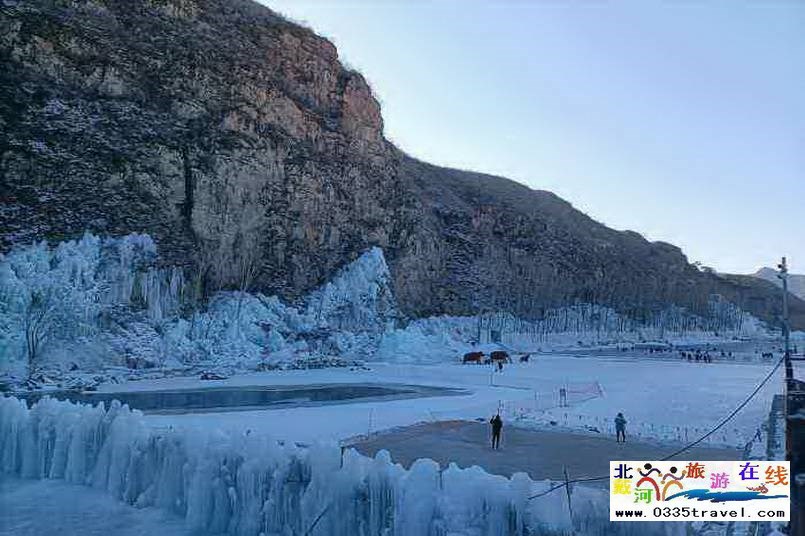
(700,356)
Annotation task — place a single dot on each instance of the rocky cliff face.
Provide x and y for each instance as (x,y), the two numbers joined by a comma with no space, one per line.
(256,159)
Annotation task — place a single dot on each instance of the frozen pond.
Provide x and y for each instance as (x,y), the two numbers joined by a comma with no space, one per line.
(219,399)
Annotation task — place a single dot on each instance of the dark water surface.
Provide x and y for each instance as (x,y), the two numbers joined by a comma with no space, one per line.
(216,399)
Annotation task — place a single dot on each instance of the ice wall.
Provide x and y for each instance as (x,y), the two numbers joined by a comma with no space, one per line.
(62,294)
(446,338)
(359,297)
(107,300)
(237,328)
(249,485)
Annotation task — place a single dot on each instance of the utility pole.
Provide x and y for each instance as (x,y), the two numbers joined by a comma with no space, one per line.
(789,369)
(793,403)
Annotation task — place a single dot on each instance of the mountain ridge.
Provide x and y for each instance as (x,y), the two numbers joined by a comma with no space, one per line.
(255,158)
(796,282)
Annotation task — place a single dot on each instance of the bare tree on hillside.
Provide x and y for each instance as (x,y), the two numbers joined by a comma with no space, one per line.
(37,323)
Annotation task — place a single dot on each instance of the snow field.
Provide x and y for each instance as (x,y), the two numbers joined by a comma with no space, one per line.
(677,402)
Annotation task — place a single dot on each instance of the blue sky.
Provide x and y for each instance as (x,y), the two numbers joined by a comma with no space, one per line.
(683,120)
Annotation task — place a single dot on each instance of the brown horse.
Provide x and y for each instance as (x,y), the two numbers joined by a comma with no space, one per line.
(500,355)
(474,357)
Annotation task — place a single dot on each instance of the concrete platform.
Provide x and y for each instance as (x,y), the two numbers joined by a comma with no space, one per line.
(541,454)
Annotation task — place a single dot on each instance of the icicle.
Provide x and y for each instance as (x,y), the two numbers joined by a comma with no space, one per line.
(248,485)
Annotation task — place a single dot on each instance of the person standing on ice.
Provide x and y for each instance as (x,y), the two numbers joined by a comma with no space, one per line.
(497,426)
(620,428)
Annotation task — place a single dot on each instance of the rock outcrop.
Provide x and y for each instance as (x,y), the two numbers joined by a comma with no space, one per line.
(240,142)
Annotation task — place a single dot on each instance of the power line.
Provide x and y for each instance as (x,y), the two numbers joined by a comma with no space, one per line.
(559,486)
(686,447)
(731,415)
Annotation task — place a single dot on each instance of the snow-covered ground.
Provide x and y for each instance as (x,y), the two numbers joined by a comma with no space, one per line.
(661,399)
(43,507)
(134,458)
(657,396)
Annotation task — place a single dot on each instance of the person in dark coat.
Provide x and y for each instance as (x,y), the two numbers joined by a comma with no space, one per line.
(620,428)
(497,426)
